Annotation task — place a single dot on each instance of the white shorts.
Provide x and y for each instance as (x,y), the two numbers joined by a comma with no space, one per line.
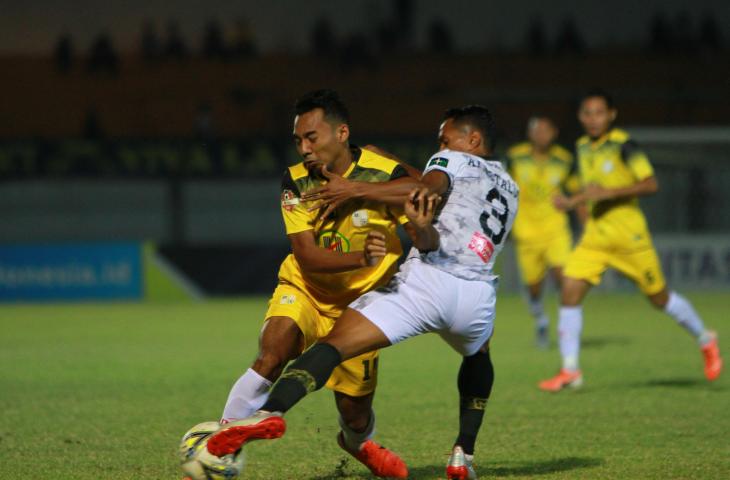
(422,299)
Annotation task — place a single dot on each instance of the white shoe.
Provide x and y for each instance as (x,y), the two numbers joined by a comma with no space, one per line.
(460,465)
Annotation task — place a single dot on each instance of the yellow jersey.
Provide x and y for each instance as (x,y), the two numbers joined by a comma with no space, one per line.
(614,161)
(540,178)
(345,231)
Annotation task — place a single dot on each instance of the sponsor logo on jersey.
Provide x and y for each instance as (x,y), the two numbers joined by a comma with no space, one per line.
(289,200)
(287,299)
(438,162)
(482,246)
(360,218)
(607,166)
(334,241)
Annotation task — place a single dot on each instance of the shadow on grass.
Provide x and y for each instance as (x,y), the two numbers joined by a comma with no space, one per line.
(600,342)
(540,467)
(678,383)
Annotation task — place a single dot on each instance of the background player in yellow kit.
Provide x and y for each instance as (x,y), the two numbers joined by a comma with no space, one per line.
(327,270)
(614,172)
(542,169)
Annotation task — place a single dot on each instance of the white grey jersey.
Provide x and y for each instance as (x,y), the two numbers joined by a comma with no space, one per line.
(475,219)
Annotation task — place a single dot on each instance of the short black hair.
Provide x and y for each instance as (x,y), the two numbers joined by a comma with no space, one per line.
(600,93)
(328,100)
(477,117)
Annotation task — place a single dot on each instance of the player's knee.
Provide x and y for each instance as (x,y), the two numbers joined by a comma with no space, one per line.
(476,375)
(355,411)
(659,300)
(269,364)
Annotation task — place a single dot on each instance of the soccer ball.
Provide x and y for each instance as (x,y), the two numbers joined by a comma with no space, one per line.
(198,464)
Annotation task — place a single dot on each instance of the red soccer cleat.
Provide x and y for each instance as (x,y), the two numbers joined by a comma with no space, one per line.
(713,361)
(231,436)
(565,378)
(460,466)
(381,461)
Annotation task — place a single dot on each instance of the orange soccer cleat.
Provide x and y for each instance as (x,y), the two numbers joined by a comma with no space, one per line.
(713,361)
(231,436)
(381,461)
(565,378)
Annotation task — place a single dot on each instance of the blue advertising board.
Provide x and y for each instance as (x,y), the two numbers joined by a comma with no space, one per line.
(105,271)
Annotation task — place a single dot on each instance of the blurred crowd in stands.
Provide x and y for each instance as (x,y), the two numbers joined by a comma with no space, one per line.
(680,33)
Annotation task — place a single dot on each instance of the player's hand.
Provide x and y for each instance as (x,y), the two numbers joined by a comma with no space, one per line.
(420,207)
(596,193)
(329,196)
(375,248)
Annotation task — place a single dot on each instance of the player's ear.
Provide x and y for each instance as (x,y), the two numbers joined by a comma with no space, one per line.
(475,139)
(343,133)
(613,114)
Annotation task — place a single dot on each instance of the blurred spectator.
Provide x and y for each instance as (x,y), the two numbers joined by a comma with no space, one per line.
(683,35)
(440,40)
(356,52)
(213,45)
(63,53)
(150,43)
(710,39)
(404,15)
(323,40)
(243,39)
(92,128)
(175,48)
(661,35)
(204,128)
(536,38)
(569,39)
(103,57)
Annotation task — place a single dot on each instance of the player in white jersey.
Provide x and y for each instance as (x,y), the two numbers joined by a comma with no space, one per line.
(460,217)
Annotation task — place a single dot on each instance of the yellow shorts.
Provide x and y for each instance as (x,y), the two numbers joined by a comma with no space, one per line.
(357,376)
(534,258)
(641,266)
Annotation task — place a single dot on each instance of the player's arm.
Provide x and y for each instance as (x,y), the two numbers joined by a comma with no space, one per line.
(410,169)
(420,208)
(338,190)
(315,259)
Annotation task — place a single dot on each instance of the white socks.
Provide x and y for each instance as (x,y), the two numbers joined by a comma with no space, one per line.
(682,311)
(248,394)
(538,312)
(570,325)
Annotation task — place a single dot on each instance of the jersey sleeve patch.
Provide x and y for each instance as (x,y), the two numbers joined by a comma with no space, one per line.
(636,160)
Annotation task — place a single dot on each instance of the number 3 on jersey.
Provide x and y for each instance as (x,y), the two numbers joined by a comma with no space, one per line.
(494,218)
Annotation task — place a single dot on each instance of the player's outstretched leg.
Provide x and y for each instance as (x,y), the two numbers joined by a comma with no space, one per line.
(357,426)
(306,374)
(569,327)
(679,308)
(233,435)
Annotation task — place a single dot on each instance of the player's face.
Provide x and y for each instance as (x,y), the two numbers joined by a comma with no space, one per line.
(453,138)
(596,116)
(541,133)
(318,141)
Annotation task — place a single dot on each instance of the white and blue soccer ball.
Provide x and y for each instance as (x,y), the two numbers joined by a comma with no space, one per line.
(198,464)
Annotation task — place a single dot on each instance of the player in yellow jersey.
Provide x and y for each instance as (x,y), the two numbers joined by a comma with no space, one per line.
(542,170)
(328,269)
(614,172)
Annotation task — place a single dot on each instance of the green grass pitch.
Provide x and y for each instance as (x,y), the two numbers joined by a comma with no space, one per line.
(104,391)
